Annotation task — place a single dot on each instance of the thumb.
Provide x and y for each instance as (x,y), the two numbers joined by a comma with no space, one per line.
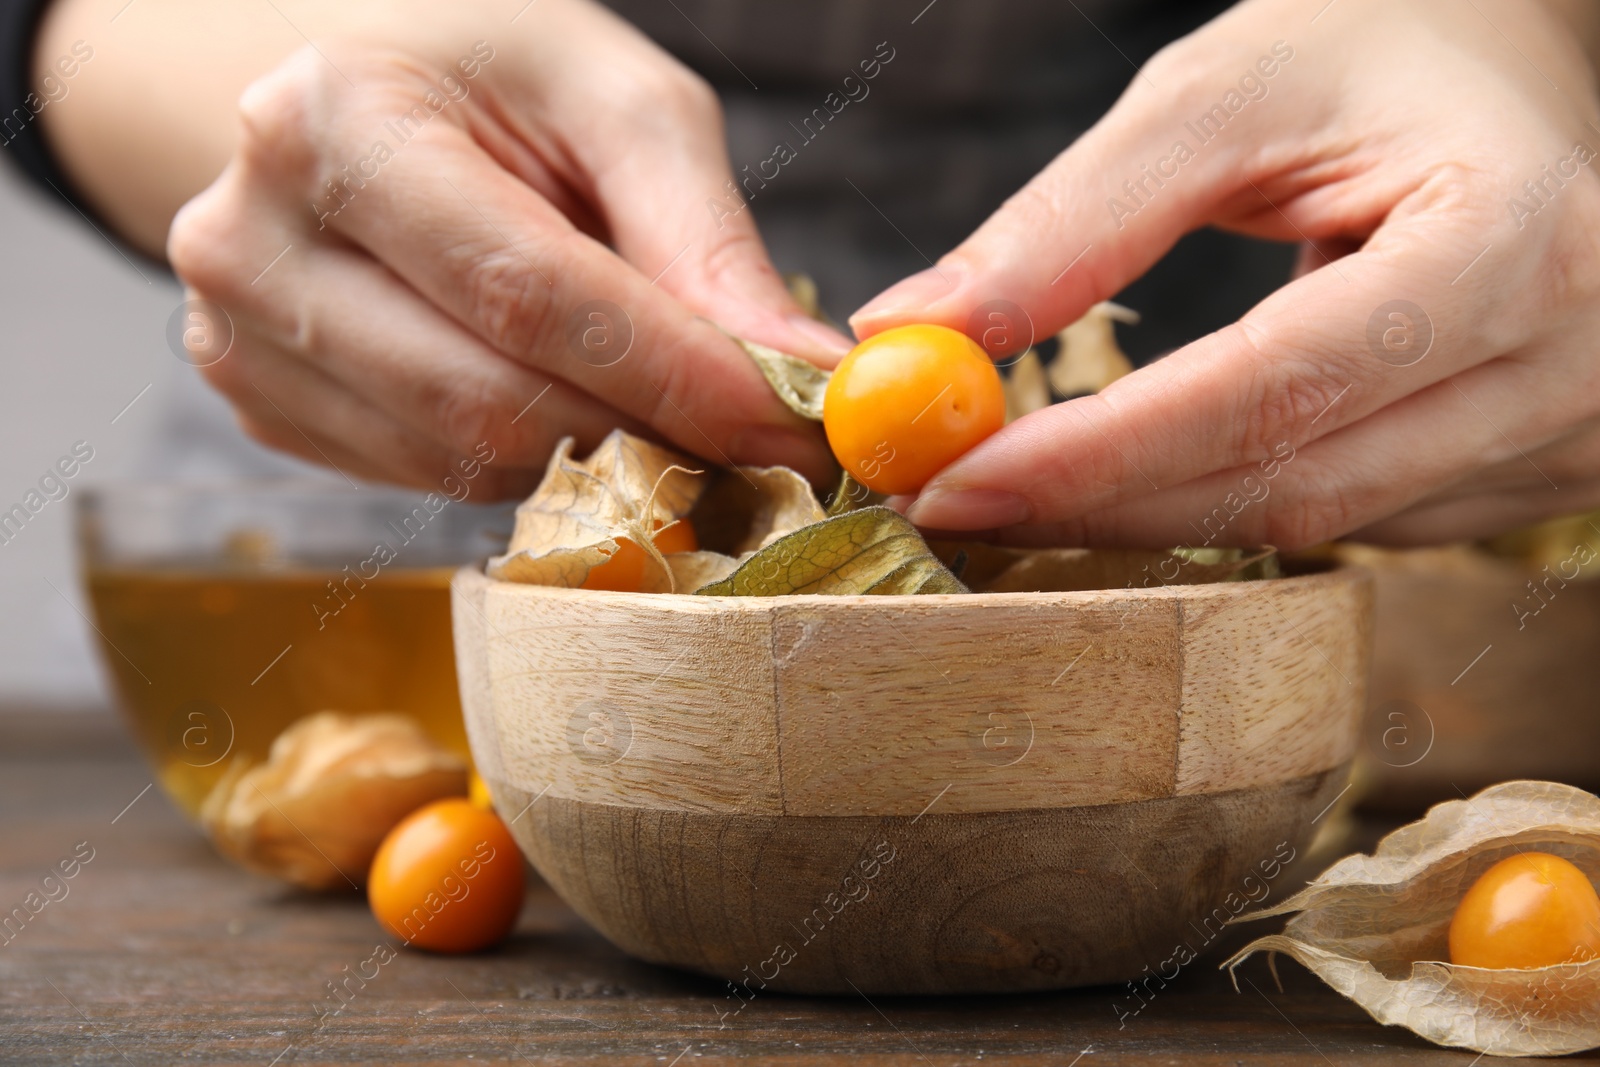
(1158,165)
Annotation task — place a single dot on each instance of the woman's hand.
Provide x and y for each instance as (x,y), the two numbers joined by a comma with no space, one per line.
(1433,372)
(450,225)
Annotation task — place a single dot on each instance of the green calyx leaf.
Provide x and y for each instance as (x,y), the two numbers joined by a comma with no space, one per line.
(800,385)
(850,495)
(873,550)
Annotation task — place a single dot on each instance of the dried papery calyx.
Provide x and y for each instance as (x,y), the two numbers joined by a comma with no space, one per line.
(774,535)
(1568,547)
(799,383)
(1376,927)
(627,488)
(1027,386)
(1002,569)
(332,786)
(1090,358)
(763,532)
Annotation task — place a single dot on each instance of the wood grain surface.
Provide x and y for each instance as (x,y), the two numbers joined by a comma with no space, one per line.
(975,902)
(1274,679)
(162,953)
(869,706)
(1065,738)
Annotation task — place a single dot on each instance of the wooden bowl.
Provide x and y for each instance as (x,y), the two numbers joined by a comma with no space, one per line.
(928,794)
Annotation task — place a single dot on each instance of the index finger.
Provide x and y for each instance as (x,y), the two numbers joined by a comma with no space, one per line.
(1321,353)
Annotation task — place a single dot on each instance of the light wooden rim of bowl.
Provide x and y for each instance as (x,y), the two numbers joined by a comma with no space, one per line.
(1337,573)
(813,706)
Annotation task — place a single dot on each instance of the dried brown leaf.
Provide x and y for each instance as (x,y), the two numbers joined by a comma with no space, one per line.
(695,570)
(1569,546)
(804,290)
(873,550)
(332,786)
(998,569)
(1026,386)
(627,487)
(1375,927)
(1090,358)
(748,508)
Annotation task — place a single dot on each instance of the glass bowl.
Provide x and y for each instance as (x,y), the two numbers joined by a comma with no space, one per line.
(224,613)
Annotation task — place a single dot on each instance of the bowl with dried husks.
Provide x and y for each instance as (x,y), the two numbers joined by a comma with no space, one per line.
(808,751)
(1484,668)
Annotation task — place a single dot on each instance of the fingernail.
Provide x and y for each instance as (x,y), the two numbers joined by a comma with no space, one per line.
(969,509)
(913,294)
(821,334)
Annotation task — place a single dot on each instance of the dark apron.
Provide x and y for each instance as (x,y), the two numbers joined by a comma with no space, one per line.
(978,96)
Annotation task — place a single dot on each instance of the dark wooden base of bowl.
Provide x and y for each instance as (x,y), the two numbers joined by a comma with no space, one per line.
(963,903)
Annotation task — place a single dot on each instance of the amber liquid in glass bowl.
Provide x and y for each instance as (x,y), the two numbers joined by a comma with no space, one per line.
(219,640)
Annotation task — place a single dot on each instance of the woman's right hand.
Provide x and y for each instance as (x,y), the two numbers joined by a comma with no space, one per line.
(448,231)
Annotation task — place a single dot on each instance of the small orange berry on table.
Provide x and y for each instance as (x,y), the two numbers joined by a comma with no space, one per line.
(448,878)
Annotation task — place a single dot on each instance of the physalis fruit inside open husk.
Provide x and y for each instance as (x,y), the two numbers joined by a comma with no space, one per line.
(630,491)
(1376,928)
(1529,910)
(636,517)
(761,531)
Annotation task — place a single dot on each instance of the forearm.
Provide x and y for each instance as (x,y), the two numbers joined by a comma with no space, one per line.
(151,119)
(148,120)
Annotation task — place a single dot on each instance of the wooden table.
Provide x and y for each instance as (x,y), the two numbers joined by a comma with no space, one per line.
(162,953)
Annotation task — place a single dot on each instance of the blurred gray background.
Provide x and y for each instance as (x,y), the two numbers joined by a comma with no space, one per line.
(84,336)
